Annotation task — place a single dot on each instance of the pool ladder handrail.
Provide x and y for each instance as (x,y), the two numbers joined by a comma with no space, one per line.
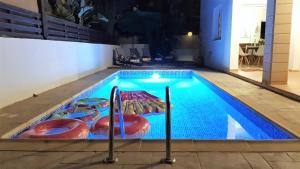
(168,159)
(115,96)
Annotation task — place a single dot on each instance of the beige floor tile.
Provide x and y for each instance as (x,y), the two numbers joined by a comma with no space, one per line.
(223,161)
(183,145)
(87,166)
(147,166)
(35,161)
(74,157)
(278,157)
(294,155)
(256,161)
(183,160)
(150,146)
(168,166)
(8,156)
(129,145)
(134,158)
(285,165)
(274,146)
(221,146)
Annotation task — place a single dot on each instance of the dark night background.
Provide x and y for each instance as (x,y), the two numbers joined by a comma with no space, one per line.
(178,16)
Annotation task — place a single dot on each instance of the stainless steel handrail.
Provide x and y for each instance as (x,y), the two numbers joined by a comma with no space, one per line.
(168,159)
(114,96)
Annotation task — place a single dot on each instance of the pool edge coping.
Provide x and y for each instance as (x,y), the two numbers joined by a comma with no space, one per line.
(139,145)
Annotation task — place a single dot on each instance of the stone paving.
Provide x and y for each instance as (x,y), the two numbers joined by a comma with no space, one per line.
(148,160)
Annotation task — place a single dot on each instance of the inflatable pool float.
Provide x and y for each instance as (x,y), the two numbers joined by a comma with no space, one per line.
(82,113)
(62,113)
(135,126)
(58,129)
(141,103)
(98,103)
(137,95)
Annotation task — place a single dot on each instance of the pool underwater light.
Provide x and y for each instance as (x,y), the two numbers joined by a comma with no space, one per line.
(155,76)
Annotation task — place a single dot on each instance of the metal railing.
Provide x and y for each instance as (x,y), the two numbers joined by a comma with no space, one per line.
(115,96)
(168,159)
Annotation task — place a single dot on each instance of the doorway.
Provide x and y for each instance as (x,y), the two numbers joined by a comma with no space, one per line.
(248,38)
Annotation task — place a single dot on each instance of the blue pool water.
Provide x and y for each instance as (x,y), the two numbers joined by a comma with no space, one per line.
(201,110)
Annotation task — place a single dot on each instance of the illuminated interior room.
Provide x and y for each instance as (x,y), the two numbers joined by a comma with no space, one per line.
(249,26)
(248,38)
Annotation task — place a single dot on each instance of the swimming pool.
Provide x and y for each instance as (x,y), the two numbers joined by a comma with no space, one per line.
(200,109)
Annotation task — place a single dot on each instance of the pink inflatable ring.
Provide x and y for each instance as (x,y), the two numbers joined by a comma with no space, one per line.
(58,129)
(135,126)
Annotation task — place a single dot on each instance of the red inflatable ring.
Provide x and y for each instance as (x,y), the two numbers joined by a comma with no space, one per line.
(58,129)
(135,126)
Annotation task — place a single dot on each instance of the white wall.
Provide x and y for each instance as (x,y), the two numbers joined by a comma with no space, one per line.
(216,53)
(246,25)
(30,66)
(187,48)
(294,60)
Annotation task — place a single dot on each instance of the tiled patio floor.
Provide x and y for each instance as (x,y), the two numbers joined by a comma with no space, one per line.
(292,85)
(148,160)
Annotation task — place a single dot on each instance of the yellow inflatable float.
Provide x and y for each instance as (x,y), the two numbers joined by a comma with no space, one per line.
(141,103)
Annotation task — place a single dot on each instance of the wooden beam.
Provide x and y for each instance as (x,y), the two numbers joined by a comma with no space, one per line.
(42,11)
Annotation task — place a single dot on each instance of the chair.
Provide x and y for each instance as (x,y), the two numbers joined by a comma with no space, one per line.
(135,56)
(146,55)
(259,54)
(121,59)
(243,57)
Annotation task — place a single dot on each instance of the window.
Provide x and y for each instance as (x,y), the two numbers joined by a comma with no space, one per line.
(217,24)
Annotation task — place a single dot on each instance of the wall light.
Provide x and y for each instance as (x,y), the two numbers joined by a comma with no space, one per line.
(190,34)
